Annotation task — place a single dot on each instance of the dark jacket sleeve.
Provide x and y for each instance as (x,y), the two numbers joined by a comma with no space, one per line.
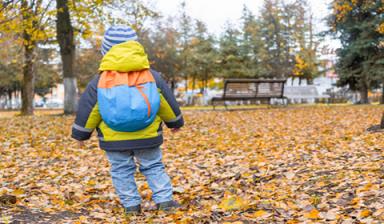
(88,116)
(169,110)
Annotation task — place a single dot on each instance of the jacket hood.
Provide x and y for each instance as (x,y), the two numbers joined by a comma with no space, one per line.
(125,57)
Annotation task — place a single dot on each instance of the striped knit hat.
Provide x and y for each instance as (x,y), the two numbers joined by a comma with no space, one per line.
(116,35)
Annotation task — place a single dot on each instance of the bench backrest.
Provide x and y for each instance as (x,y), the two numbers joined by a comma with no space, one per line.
(253,88)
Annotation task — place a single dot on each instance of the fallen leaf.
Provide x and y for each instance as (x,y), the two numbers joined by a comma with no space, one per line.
(365,213)
(233,203)
(314,214)
(260,214)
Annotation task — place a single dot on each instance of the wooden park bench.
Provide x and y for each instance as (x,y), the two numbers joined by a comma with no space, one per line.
(252,89)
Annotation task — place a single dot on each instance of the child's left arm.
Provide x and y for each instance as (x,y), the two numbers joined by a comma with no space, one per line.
(88,116)
(169,110)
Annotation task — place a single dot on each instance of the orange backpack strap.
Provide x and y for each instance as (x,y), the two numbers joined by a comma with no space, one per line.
(140,88)
(109,79)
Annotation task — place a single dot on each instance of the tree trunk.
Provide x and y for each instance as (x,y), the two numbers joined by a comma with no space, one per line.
(9,101)
(173,85)
(382,122)
(382,95)
(193,89)
(186,83)
(364,95)
(28,84)
(205,81)
(65,38)
(193,84)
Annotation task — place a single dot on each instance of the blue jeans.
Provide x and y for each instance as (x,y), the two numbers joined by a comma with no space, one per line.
(123,168)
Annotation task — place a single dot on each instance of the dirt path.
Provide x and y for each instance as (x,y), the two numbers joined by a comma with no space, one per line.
(20,214)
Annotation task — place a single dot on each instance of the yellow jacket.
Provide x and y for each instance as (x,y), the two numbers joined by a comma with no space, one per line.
(125,58)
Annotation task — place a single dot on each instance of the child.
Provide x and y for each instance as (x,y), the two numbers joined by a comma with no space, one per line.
(127,104)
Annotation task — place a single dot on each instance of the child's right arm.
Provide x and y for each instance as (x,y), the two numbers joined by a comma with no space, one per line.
(88,116)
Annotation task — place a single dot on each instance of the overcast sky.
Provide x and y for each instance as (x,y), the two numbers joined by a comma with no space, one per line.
(215,13)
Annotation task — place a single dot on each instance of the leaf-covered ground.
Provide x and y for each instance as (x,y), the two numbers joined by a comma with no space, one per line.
(280,165)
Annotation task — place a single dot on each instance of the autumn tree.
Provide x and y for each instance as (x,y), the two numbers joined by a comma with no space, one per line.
(301,43)
(288,43)
(29,21)
(163,52)
(272,34)
(10,68)
(11,71)
(65,38)
(47,75)
(185,29)
(358,25)
(230,53)
(10,80)
(251,45)
(87,63)
(204,56)
(306,63)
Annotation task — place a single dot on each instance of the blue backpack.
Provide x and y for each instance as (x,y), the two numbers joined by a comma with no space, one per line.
(128,101)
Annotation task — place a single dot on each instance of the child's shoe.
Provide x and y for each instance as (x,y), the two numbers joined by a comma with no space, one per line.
(133,210)
(168,206)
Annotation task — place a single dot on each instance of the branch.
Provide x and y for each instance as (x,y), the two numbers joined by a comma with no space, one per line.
(8,20)
(6,3)
(10,3)
(40,23)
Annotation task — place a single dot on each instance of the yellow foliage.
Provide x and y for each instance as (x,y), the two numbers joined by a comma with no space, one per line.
(380,29)
(313,214)
(341,8)
(365,213)
(260,213)
(300,66)
(232,202)
(18,192)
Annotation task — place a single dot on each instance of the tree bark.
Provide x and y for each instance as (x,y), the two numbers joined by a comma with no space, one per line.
(173,85)
(193,89)
(364,95)
(9,101)
(382,95)
(382,122)
(29,44)
(27,88)
(65,38)
(27,91)
(186,83)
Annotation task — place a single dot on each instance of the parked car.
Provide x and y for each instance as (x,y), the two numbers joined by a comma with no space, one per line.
(39,103)
(54,103)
